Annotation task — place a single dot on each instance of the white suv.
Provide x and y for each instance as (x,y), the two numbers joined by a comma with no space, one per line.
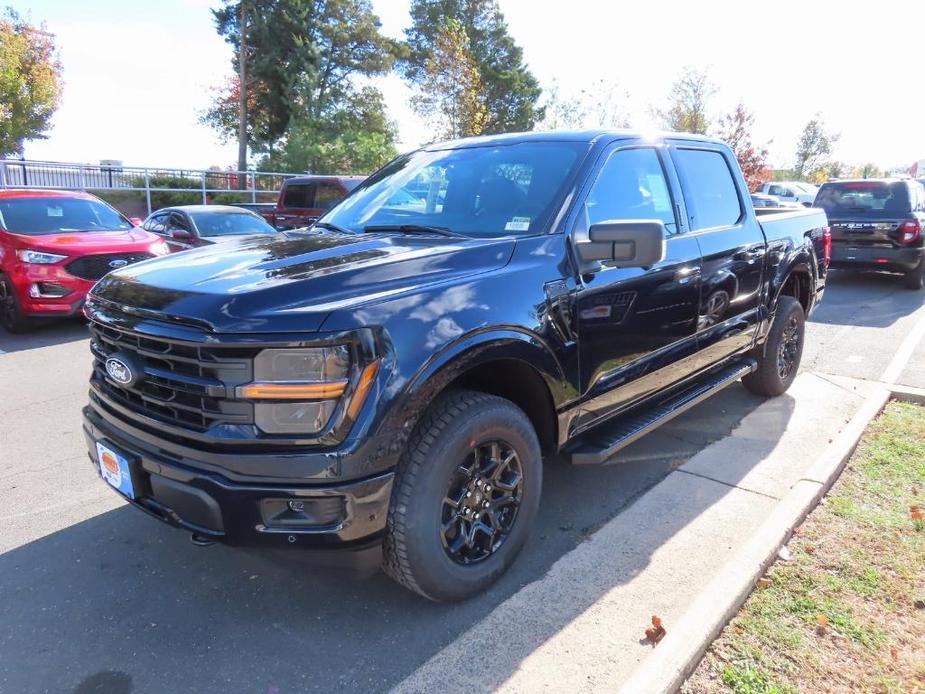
(791,191)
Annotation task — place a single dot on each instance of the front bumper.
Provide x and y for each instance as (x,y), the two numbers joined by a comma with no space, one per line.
(27,275)
(344,515)
(876,257)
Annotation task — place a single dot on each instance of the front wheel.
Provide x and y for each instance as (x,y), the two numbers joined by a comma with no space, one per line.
(11,316)
(780,360)
(465,496)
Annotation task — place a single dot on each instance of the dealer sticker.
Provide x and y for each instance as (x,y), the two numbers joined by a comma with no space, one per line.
(518,224)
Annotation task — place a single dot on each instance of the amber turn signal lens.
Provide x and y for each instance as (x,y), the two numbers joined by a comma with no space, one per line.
(294,391)
(365,383)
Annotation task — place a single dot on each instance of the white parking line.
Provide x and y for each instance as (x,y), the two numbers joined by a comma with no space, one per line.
(904,353)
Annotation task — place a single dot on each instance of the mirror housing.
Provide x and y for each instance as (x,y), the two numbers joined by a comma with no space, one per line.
(180,234)
(624,243)
(136,221)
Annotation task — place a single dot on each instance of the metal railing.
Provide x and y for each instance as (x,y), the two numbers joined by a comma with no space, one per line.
(201,183)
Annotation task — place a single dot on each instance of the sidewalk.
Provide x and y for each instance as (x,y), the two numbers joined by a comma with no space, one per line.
(581,627)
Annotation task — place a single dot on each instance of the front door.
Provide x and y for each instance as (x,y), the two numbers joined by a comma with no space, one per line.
(636,326)
(733,248)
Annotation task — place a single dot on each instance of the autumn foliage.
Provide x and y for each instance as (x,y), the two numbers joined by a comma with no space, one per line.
(735,129)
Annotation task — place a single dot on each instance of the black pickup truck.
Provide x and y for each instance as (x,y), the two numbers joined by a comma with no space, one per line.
(387,383)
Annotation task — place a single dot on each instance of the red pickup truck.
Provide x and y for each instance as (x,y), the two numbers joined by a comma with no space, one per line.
(304,199)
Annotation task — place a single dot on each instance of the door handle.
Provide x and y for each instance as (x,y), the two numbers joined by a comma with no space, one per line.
(686,274)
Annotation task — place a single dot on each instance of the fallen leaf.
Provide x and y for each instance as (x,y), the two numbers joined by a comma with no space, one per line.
(656,632)
(919,604)
(764,582)
(916,513)
(810,549)
(797,530)
(822,623)
(894,652)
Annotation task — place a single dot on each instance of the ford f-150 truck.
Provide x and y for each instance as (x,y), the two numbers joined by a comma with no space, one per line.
(387,383)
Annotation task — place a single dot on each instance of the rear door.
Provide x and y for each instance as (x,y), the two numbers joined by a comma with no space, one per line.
(732,246)
(636,326)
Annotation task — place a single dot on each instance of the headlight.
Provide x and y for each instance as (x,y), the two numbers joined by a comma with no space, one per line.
(297,389)
(38,258)
(160,248)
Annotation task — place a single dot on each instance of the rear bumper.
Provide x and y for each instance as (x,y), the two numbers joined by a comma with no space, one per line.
(341,516)
(876,258)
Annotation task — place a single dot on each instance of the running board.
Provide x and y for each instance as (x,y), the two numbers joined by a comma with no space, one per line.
(599,444)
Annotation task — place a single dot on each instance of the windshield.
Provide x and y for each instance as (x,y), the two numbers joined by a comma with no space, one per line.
(476,191)
(33,216)
(868,198)
(230,224)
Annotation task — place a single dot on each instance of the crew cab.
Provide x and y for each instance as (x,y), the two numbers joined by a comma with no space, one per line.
(387,383)
(54,245)
(877,225)
(303,199)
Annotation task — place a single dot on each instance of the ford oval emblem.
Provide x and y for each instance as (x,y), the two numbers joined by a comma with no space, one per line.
(117,263)
(122,370)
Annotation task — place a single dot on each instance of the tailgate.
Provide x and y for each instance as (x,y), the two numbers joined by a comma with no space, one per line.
(866,232)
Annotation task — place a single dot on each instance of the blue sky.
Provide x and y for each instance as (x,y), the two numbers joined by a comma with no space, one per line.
(138,73)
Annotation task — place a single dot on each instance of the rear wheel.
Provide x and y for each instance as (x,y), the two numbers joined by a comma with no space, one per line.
(780,360)
(11,316)
(465,496)
(915,279)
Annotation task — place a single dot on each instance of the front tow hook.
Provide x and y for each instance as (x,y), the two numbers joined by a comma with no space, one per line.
(201,540)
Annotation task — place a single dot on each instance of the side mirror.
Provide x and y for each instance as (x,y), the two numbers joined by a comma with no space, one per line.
(625,243)
(180,234)
(136,221)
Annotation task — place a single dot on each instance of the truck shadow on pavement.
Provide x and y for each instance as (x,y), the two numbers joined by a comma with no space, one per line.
(121,603)
(55,333)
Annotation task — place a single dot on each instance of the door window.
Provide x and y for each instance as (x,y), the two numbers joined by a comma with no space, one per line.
(631,185)
(157,224)
(178,221)
(299,195)
(710,192)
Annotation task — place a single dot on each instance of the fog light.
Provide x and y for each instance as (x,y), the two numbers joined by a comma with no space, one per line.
(297,506)
(47,290)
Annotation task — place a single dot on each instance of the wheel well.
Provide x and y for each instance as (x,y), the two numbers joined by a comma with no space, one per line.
(797,286)
(521,384)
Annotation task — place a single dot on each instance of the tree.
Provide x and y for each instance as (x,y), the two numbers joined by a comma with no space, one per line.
(30,82)
(600,105)
(303,56)
(357,138)
(813,148)
(686,109)
(509,90)
(451,95)
(735,130)
(867,171)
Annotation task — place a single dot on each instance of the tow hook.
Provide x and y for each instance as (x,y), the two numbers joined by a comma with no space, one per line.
(201,540)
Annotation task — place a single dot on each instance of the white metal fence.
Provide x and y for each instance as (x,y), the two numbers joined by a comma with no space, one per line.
(204,184)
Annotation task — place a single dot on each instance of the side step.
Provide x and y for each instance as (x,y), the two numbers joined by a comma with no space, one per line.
(601,443)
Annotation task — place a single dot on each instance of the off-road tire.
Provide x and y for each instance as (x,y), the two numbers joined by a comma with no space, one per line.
(915,278)
(11,316)
(767,379)
(413,551)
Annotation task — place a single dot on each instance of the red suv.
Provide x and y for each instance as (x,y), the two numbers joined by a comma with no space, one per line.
(54,246)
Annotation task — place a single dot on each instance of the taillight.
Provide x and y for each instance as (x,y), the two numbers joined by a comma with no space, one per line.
(910,231)
(826,246)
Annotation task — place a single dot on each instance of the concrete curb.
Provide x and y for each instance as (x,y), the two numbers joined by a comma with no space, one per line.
(680,651)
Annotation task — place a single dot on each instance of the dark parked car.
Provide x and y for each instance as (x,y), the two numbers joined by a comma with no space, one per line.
(191,226)
(388,382)
(877,225)
(303,199)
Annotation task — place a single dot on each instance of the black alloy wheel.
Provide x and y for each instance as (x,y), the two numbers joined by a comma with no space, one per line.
(482,501)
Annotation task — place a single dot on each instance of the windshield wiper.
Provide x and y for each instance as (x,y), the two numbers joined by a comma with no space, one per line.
(332,227)
(413,229)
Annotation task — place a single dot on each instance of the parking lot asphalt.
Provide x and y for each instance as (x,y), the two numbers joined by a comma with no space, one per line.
(97,597)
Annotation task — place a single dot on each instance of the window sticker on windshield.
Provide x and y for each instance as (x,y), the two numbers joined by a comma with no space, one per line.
(55,211)
(518,224)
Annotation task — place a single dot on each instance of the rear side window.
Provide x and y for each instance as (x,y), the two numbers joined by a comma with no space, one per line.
(299,195)
(865,198)
(710,191)
(328,195)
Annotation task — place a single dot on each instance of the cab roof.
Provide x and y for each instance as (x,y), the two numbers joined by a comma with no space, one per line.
(588,136)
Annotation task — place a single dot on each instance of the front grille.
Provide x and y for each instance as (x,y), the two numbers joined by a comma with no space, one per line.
(93,267)
(185,385)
